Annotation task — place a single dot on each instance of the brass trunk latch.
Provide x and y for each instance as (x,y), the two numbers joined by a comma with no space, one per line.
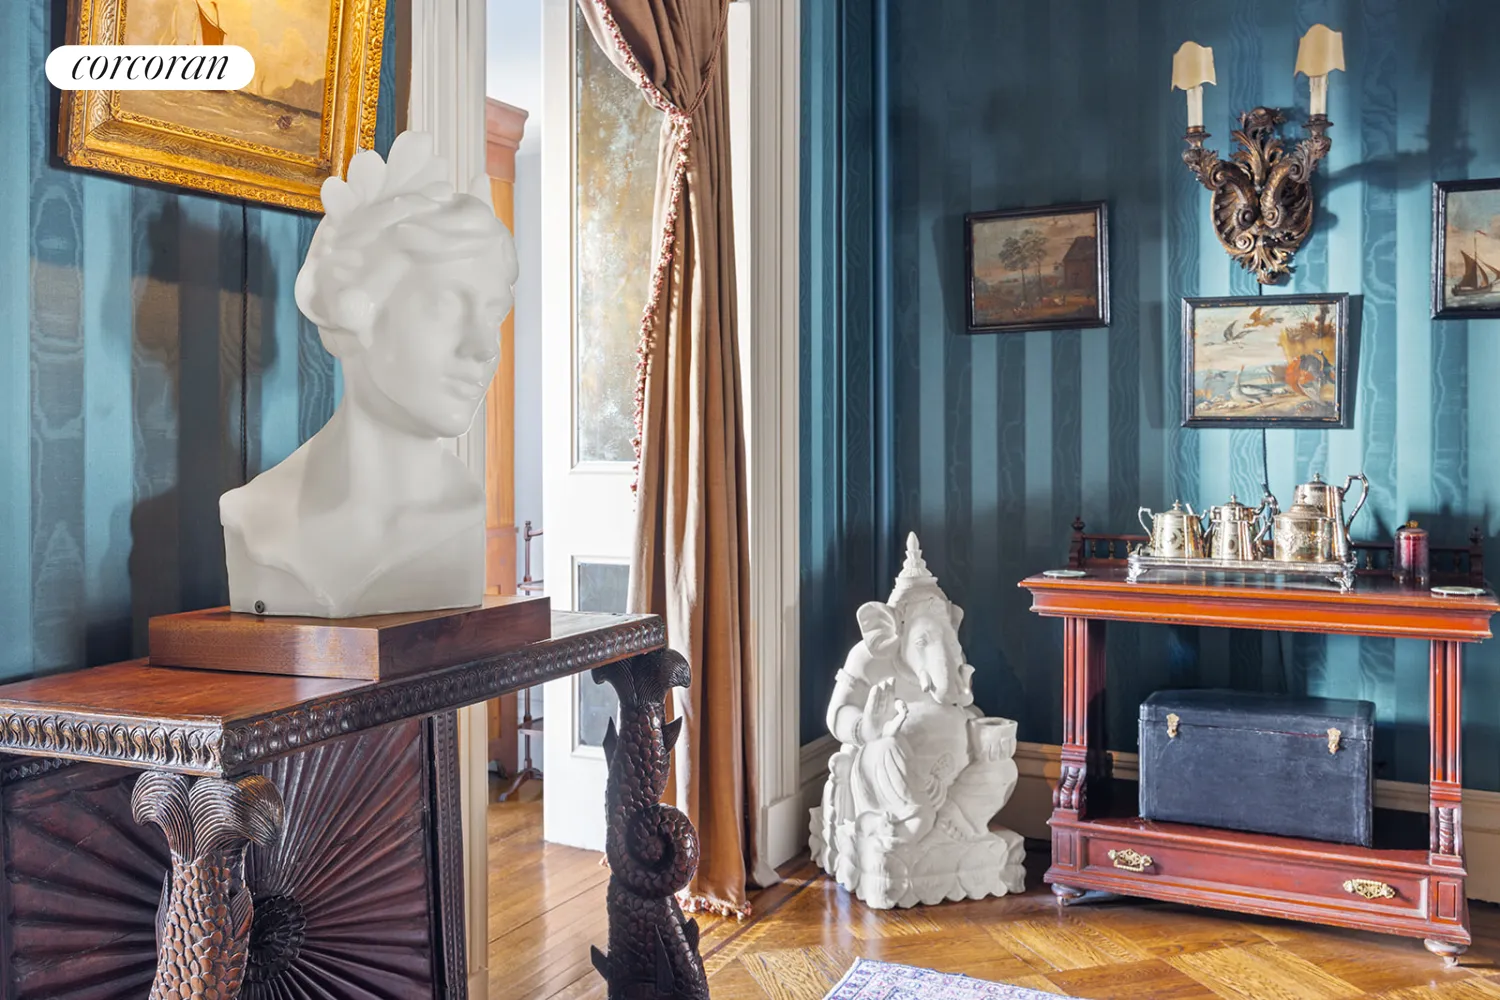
(1172,721)
(1369,889)
(1333,740)
(1130,861)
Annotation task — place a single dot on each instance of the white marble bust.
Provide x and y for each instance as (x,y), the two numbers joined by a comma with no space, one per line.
(407,281)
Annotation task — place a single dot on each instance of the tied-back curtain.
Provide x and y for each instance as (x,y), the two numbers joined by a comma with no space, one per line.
(689,562)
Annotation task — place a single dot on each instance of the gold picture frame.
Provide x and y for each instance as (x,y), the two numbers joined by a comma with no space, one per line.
(268,142)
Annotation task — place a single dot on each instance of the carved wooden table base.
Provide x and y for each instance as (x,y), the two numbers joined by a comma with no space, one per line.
(203,926)
(652,848)
(311,828)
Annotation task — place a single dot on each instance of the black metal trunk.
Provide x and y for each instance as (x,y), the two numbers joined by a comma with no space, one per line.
(1296,767)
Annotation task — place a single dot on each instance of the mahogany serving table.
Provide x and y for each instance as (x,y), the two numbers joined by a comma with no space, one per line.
(345,791)
(1414,892)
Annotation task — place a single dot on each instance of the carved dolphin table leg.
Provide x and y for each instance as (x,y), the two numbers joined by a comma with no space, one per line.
(652,848)
(203,924)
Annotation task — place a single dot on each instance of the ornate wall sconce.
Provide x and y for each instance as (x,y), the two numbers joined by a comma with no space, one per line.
(1262,203)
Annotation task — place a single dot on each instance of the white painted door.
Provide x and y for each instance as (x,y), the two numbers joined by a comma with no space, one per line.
(599,147)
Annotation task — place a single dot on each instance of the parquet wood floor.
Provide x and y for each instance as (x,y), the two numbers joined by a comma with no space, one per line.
(547,908)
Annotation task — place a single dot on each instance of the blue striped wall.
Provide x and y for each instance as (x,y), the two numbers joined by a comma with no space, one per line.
(121,376)
(991,444)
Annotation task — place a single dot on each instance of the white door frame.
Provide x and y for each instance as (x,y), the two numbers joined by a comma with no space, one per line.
(447,101)
(772,388)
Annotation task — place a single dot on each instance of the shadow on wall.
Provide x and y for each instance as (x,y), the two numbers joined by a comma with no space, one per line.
(189,377)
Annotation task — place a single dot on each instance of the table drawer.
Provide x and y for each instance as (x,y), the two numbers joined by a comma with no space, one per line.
(1331,881)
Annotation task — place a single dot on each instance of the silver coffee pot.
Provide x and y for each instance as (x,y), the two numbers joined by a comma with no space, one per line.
(1330,500)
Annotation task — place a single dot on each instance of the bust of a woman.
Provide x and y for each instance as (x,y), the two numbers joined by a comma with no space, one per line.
(407,281)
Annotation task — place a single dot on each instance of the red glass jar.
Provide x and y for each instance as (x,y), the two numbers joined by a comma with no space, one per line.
(1409,563)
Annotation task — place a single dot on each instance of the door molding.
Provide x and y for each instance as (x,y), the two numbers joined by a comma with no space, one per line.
(773,419)
(447,102)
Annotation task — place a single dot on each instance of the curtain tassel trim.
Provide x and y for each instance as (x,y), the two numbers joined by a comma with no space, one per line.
(682,123)
(698,903)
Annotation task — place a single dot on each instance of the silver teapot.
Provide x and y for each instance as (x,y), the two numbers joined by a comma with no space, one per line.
(1175,533)
(1329,499)
(1235,529)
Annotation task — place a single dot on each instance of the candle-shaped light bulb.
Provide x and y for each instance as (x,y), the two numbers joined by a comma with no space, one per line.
(1320,53)
(1192,67)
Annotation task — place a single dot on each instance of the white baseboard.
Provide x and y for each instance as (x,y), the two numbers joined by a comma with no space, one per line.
(1031,805)
(786,830)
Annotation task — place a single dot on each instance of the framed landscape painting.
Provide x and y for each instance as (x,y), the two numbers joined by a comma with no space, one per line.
(1466,249)
(1265,361)
(1038,268)
(310,105)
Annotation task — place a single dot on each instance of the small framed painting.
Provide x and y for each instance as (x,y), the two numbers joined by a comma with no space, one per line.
(1038,268)
(1466,249)
(1265,361)
(310,105)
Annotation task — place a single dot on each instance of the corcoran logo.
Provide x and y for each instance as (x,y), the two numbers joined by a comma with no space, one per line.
(150,67)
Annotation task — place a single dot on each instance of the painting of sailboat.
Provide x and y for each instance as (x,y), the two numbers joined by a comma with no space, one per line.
(1466,249)
(1265,361)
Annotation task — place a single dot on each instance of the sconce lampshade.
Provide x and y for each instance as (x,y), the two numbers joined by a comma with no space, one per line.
(1320,52)
(1193,66)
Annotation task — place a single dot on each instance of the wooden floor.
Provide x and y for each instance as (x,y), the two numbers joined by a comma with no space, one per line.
(547,908)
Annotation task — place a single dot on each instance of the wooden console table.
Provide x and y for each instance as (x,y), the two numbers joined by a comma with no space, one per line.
(346,793)
(1396,889)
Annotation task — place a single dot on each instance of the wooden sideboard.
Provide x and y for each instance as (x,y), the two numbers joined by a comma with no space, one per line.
(1099,843)
(119,883)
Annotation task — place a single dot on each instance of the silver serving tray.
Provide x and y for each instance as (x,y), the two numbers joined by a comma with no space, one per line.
(1342,574)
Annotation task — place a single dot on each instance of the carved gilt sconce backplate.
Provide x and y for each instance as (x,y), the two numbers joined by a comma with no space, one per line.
(1262,196)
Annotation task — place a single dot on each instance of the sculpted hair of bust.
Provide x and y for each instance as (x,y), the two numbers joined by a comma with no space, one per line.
(407,281)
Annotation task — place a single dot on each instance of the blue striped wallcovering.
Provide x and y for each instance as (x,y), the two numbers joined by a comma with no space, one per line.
(121,377)
(999,440)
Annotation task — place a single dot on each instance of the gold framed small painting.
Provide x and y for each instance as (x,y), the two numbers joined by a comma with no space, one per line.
(310,105)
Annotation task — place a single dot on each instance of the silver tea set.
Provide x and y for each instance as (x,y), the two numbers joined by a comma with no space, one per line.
(1309,538)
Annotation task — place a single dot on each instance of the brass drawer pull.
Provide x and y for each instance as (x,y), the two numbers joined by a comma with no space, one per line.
(1172,721)
(1369,889)
(1130,861)
(1333,740)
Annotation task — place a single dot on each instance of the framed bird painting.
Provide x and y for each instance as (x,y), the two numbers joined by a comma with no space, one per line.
(1265,361)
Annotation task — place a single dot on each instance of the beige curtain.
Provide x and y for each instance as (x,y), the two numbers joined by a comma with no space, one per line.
(689,562)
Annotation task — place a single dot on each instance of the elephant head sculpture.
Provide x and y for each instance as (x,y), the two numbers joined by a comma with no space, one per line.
(918,630)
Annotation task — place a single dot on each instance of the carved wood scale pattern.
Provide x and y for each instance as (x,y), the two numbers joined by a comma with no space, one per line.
(341,904)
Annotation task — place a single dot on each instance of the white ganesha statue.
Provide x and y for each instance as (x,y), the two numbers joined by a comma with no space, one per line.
(921,771)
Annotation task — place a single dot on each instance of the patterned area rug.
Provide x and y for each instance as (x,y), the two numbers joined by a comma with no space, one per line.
(870,980)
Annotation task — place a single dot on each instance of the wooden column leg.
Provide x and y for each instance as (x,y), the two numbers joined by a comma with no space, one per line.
(1085,760)
(203,923)
(1448,903)
(652,848)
